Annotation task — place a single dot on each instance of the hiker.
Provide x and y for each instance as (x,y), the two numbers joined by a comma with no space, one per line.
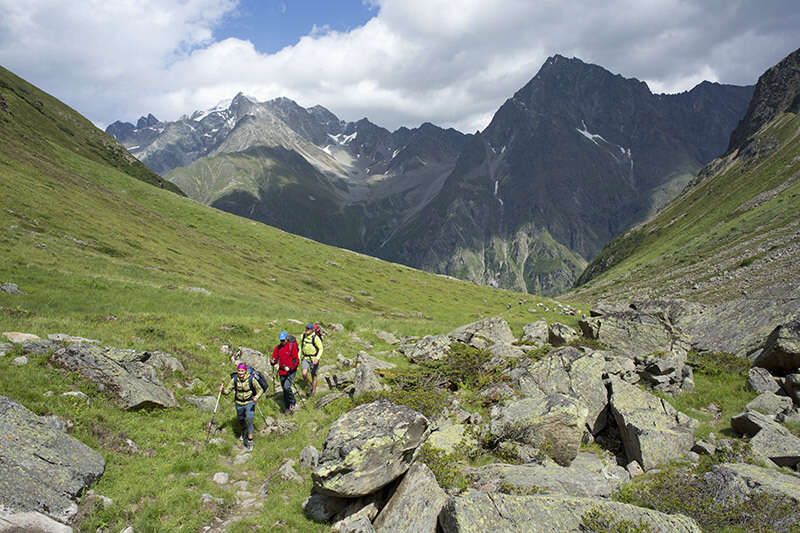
(311,350)
(247,390)
(285,356)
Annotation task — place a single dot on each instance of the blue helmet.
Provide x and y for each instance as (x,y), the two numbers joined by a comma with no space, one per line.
(309,326)
(282,336)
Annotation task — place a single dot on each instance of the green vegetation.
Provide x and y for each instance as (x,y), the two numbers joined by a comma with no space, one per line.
(599,521)
(720,391)
(682,489)
(446,467)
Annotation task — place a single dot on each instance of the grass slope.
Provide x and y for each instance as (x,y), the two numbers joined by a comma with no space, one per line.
(103,255)
(735,230)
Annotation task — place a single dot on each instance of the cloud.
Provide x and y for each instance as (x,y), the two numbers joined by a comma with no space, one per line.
(417,60)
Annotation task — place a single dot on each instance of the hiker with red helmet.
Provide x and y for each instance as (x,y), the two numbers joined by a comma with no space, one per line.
(311,349)
(247,391)
(285,356)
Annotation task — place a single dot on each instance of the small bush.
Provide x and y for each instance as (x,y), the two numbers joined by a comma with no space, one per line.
(716,363)
(445,467)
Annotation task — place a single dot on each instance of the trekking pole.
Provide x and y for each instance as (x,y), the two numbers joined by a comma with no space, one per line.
(266,424)
(213,417)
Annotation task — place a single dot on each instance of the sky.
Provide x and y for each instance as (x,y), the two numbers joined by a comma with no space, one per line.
(397,62)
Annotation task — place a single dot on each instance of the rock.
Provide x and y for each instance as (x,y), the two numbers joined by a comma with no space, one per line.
(554,424)
(702,447)
(634,469)
(208,499)
(329,399)
(344,361)
(323,507)
(760,380)
(336,327)
(782,349)
(428,348)
(588,475)
(16,337)
(365,379)
(480,511)
(449,438)
(43,469)
(309,457)
(355,524)
(79,395)
(204,403)
(571,372)
(5,348)
(536,333)
(770,404)
(559,334)
(221,478)
(369,447)
(20,361)
(10,288)
(40,347)
(496,392)
(791,385)
(769,439)
(32,522)
(652,431)
(506,351)
(253,358)
(733,483)
(288,473)
(128,529)
(590,327)
(635,333)
(373,363)
(415,504)
(387,337)
(164,361)
(70,339)
(124,373)
(484,333)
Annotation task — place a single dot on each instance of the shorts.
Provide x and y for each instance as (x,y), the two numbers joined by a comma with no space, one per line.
(308,365)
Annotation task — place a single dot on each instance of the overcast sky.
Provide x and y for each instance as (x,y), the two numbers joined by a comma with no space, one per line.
(398,62)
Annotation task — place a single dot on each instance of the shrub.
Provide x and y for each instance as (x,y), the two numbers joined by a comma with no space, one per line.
(599,521)
(445,467)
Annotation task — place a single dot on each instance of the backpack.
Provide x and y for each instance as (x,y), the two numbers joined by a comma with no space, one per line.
(314,333)
(258,376)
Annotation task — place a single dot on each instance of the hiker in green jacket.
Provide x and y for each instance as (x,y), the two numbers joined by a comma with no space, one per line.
(311,349)
(247,391)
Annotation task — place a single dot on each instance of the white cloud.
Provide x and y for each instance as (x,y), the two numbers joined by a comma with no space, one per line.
(451,63)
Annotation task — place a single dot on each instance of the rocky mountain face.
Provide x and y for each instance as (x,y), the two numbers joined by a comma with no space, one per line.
(730,241)
(574,158)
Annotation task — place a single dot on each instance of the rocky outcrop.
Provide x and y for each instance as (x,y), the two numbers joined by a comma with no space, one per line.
(736,482)
(768,439)
(770,404)
(44,469)
(368,447)
(760,380)
(125,374)
(588,475)
(559,334)
(781,353)
(535,334)
(484,333)
(415,504)
(490,512)
(652,431)
(427,348)
(568,371)
(552,423)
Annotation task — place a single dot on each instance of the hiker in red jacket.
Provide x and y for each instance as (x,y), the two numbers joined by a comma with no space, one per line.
(285,355)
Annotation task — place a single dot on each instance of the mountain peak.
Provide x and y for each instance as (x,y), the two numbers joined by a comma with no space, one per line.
(145,122)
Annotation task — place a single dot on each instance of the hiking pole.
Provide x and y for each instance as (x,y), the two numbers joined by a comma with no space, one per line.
(214,416)
(266,424)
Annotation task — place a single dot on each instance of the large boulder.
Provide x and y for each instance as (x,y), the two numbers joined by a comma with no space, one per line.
(369,447)
(253,358)
(559,334)
(634,333)
(428,348)
(484,333)
(588,475)
(43,469)
(653,432)
(768,439)
(480,512)
(363,358)
(125,374)
(553,423)
(769,403)
(365,378)
(760,380)
(791,384)
(781,351)
(733,483)
(415,504)
(571,372)
(535,334)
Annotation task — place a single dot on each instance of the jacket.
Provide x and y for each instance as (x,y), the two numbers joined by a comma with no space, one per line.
(311,345)
(243,393)
(286,356)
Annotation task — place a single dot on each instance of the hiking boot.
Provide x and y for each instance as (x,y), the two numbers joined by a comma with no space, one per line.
(292,409)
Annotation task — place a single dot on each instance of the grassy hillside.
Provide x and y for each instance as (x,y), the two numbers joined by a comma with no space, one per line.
(734,232)
(100,254)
